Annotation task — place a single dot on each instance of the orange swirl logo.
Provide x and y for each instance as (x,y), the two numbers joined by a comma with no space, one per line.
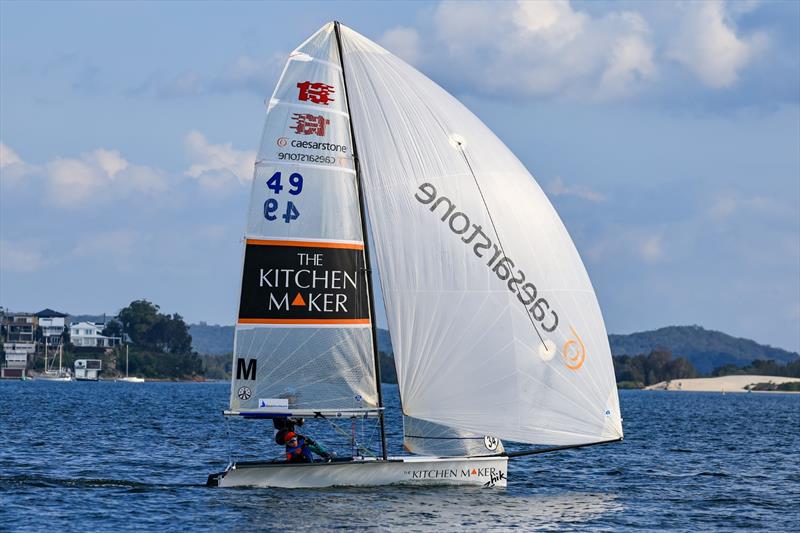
(574,352)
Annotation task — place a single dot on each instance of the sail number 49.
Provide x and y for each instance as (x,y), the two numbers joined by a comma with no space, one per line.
(271,205)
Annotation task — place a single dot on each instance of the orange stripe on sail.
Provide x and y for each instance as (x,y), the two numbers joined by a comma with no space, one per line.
(306,244)
(303,321)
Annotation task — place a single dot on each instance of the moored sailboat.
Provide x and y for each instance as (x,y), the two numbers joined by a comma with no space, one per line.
(496,329)
(128,378)
(50,373)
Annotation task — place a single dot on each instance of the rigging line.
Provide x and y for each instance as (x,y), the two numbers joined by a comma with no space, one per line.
(359,446)
(363,212)
(491,220)
(441,438)
(556,448)
(485,205)
(228,434)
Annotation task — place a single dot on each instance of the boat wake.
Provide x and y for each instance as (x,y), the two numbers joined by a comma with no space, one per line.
(35,481)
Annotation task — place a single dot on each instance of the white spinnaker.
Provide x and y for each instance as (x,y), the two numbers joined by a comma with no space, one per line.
(312,365)
(427,438)
(466,350)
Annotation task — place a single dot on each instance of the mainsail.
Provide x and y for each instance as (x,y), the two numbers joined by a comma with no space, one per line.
(495,325)
(303,340)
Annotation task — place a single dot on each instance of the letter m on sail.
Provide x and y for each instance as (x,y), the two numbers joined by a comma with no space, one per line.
(245,372)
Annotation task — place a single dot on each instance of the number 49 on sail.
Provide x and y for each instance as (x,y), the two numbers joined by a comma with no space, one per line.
(271,205)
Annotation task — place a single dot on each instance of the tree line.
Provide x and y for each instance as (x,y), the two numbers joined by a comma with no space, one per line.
(160,345)
(637,371)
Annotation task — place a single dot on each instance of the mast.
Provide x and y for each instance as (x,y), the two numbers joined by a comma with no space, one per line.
(367,265)
(126,360)
(45,355)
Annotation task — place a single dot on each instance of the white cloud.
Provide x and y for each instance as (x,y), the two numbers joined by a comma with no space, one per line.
(97,177)
(706,42)
(12,167)
(631,60)
(8,156)
(110,161)
(533,48)
(557,188)
(402,42)
(217,166)
(20,256)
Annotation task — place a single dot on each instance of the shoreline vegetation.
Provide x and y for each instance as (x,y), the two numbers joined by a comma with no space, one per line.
(162,347)
(659,370)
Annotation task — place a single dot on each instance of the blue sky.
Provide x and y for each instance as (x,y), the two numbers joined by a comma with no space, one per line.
(667,135)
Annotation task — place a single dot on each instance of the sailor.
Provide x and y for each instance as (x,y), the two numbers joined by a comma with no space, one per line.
(284,426)
(296,449)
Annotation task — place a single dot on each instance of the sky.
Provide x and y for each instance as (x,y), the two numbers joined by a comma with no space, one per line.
(667,136)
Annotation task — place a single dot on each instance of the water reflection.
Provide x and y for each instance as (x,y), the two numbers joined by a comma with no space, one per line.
(419,509)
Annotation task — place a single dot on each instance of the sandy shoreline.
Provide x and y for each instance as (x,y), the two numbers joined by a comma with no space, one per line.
(720,384)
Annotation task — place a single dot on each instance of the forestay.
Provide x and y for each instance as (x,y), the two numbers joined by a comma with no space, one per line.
(495,326)
(303,336)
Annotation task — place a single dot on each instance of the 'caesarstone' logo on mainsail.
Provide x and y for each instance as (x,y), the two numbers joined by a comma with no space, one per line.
(573,351)
(483,248)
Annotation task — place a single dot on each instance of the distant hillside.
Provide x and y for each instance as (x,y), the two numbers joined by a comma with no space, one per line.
(211,339)
(705,349)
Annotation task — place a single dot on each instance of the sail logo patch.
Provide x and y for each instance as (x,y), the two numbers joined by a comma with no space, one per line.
(288,282)
(491,443)
(244,393)
(315,92)
(308,124)
(574,352)
(281,403)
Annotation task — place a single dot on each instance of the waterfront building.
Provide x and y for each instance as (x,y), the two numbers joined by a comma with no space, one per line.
(18,343)
(89,335)
(51,325)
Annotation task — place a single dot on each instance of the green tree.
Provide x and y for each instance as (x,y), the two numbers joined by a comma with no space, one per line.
(138,320)
(113,329)
(161,343)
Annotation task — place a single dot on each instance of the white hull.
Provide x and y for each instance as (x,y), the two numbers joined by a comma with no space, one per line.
(131,380)
(477,471)
(54,378)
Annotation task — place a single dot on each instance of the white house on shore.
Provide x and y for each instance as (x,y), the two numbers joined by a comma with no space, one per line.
(89,335)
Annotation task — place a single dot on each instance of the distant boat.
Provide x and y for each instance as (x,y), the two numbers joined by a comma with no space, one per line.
(49,373)
(88,369)
(127,378)
(496,329)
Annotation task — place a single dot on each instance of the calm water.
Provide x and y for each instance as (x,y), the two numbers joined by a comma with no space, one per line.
(117,456)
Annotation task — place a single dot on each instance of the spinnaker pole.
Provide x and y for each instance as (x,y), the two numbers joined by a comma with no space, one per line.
(367,266)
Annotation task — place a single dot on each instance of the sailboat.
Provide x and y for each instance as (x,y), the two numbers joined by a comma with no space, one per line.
(128,378)
(496,330)
(51,374)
